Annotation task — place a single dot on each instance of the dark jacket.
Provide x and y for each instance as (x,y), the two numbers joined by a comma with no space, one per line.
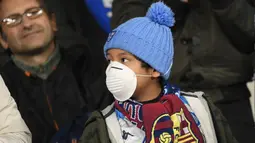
(205,57)
(95,130)
(237,20)
(76,85)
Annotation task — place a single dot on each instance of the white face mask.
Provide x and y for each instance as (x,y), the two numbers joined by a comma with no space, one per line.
(121,81)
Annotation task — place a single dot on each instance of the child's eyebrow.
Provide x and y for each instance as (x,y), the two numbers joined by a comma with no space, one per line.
(123,53)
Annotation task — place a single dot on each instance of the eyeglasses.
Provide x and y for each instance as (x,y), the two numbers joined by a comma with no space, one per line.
(16,19)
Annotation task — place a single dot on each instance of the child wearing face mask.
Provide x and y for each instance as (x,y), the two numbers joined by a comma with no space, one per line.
(148,109)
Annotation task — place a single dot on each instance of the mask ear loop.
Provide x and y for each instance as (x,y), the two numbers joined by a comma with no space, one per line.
(143,75)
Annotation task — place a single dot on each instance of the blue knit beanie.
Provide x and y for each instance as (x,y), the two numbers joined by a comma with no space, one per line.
(148,38)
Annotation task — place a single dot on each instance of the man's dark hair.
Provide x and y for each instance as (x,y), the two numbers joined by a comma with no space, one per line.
(44,4)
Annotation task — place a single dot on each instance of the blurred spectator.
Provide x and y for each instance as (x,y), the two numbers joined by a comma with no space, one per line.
(251,2)
(12,127)
(239,25)
(78,23)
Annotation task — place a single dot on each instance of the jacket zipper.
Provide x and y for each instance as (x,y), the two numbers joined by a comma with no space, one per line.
(50,107)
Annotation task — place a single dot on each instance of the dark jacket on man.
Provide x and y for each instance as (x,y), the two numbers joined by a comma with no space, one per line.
(75,86)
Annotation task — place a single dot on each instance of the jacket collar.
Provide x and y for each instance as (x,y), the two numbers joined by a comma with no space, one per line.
(43,70)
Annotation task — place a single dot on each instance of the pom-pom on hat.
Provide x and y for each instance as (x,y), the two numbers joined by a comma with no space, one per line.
(148,38)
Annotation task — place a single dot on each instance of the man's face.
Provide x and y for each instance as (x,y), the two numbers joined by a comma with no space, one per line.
(32,34)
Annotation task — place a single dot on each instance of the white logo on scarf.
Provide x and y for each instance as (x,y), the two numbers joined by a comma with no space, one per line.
(131,133)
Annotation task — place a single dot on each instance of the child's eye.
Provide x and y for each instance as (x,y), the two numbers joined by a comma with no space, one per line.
(124,60)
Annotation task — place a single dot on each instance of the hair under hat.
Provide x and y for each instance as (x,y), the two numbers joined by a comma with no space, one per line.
(148,38)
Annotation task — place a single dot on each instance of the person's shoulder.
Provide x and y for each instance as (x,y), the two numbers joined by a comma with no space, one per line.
(8,64)
(10,74)
(75,51)
(7,68)
(81,57)
(108,110)
(5,94)
(77,56)
(196,94)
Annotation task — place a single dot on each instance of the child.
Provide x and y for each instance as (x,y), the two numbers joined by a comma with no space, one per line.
(140,52)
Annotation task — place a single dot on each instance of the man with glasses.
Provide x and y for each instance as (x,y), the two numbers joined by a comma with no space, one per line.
(51,85)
